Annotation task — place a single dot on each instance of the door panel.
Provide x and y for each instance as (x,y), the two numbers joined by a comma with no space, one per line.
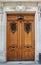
(12,43)
(28,41)
(20,37)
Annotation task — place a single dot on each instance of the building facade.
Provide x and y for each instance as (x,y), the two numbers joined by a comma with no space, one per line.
(27,11)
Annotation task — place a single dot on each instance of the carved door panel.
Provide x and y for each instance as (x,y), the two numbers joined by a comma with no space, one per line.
(12,34)
(20,37)
(28,40)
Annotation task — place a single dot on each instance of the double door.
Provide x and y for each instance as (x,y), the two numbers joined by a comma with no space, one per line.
(20,37)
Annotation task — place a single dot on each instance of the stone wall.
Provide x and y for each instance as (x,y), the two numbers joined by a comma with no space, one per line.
(3,27)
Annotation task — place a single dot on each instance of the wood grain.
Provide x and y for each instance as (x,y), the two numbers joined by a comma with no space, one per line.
(20,39)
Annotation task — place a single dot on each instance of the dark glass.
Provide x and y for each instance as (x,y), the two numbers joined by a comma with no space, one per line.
(13,27)
(27,27)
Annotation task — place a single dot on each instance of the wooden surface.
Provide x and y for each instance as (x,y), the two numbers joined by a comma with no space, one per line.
(20,39)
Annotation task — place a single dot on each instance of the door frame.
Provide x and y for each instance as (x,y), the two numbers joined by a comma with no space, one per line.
(8,10)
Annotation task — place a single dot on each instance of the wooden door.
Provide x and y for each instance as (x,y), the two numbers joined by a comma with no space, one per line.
(20,37)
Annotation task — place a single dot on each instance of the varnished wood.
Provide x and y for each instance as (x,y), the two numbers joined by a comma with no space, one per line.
(20,38)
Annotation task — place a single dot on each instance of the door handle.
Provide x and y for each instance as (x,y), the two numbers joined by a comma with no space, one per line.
(27,46)
(13,47)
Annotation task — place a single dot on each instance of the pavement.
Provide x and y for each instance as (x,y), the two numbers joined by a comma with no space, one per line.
(12,63)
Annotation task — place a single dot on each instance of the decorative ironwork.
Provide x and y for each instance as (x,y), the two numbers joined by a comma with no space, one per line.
(20,17)
(27,27)
(13,27)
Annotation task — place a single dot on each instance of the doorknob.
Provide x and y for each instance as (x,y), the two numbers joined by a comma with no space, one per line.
(27,46)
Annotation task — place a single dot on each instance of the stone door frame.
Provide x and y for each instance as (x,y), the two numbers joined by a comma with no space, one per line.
(20,9)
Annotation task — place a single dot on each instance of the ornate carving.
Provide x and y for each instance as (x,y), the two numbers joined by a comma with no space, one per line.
(20,8)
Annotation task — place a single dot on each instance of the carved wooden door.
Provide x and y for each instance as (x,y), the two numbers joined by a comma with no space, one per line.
(20,37)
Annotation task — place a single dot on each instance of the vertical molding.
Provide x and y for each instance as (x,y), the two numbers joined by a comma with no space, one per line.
(1,33)
(39,12)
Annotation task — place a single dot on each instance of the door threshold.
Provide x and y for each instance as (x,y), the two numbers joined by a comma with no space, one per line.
(20,62)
